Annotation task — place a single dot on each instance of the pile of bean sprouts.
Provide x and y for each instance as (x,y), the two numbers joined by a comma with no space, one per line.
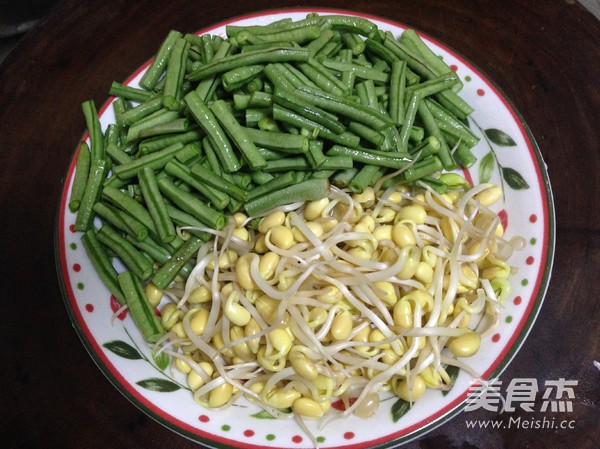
(411,271)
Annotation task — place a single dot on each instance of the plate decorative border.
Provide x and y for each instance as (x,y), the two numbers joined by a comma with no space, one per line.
(121,354)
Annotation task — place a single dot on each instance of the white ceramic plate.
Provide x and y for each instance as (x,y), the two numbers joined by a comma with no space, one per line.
(527,210)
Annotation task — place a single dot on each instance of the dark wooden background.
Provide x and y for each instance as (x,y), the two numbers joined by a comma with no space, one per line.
(544,54)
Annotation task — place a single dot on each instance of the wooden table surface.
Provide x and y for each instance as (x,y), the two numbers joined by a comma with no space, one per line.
(544,54)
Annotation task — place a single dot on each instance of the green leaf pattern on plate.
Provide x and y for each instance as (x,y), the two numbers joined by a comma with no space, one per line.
(486,167)
(399,409)
(263,414)
(514,179)
(160,385)
(500,138)
(489,162)
(123,349)
(159,362)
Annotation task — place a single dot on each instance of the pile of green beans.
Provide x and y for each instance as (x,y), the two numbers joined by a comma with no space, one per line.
(268,115)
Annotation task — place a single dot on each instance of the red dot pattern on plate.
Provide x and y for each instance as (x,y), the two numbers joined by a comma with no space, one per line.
(72,228)
(114,306)
(532,218)
(529,260)
(503,216)
(203,418)
(248,433)
(496,338)
(89,307)
(297,439)
(349,435)
(517,300)
(480,92)
(76,268)
(454,67)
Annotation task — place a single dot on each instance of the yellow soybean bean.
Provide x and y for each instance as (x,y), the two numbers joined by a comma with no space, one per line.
(324,385)
(331,295)
(403,315)
(257,387)
(260,246)
(317,316)
(362,335)
(414,213)
(219,344)
(195,380)
(449,228)
(267,264)
(431,377)
(423,297)
(386,215)
(236,313)
(280,398)
(366,198)
(383,232)
(242,233)
(241,349)
(239,218)
(489,196)
(314,209)
(252,328)
(200,295)
(308,408)
(281,341)
(466,345)
(429,257)
(469,278)
(328,223)
(182,366)
(361,252)
(302,365)
(475,248)
(341,326)
(225,260)
(501,270)
(154,294)
(395,197)
(361,227)
(267,307)
(285,282)
(269,363)
(402,235)
(424,273)
(388,255)
(227,289)
(408,392)
(220,395)
(389,357)
(315,228)
(170,315)
(386,292)
(270,221)
(281,237)
(368,222)
(377,336)
(198,320)
(177,328)
(413,256)
(242,272)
